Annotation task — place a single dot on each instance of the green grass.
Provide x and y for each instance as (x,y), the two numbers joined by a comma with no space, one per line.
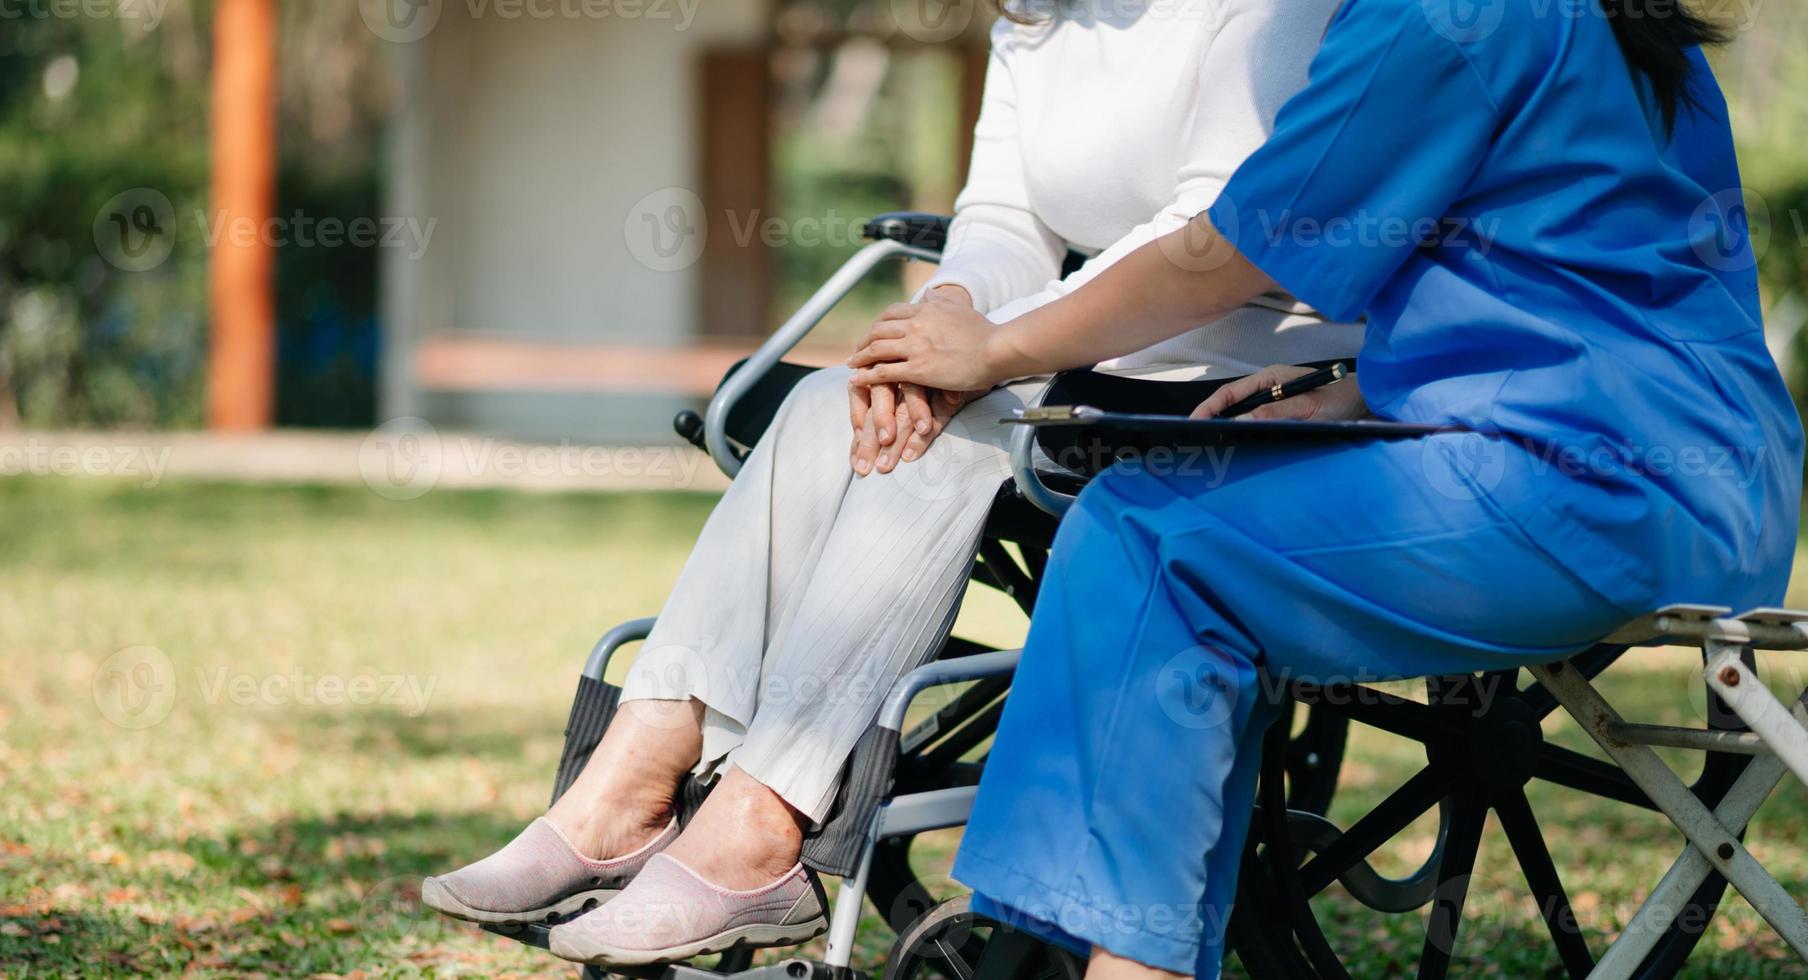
(254,828)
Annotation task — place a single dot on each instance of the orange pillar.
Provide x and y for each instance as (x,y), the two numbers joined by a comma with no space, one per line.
(242,351)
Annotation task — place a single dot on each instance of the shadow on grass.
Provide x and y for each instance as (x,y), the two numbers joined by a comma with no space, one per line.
(298,897)
(324,895)
(385,738)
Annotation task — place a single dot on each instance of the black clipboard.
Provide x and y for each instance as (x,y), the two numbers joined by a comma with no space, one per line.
(1142,431)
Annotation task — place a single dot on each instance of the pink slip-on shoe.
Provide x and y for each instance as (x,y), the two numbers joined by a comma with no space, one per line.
(671,913)
(537,876)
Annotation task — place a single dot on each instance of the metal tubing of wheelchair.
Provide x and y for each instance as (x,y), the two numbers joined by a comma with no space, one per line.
(1717,843)
(1023,471)
(897,702)
(1762,629)
(1785,731)
(787,336)
(936,809)
(845,920)
(615,639)
(1699,739)
(1690,869)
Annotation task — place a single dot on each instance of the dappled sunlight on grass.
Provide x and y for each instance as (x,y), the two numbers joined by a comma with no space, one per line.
(356,692)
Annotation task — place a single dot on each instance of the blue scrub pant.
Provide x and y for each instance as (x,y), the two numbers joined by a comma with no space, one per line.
(1116,800)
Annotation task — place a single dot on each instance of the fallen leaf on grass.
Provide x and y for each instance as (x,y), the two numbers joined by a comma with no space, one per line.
(176,863)
(240,916)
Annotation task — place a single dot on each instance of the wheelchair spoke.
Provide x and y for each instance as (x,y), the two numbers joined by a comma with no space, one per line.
(1469,813)
(1517,819)
(957,964)
(1402,807)
(1587,774)
(1378,709)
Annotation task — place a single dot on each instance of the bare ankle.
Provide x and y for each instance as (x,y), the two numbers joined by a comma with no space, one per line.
(614,826)
(744,836)
(625,794)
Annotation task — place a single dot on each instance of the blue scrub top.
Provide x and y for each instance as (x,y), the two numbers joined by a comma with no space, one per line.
(1489,183)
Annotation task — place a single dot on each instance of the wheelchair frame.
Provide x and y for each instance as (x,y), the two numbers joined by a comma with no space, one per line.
(1776,740)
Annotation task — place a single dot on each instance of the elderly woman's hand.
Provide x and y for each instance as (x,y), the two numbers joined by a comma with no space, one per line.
(937,343)
(895,423)
(1338,401)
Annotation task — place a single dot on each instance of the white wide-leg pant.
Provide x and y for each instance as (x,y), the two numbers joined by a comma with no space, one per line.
(811,590)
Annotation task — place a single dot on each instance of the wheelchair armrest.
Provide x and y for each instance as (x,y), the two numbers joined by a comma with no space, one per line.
(918,228)
(1023,470)
(628,632)
(937,673)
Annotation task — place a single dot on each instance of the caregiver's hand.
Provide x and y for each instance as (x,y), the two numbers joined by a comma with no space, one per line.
(1341,400)
(937,343)
(896,423)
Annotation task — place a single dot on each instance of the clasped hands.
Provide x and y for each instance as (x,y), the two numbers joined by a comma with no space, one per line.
(921,362)
(895,421)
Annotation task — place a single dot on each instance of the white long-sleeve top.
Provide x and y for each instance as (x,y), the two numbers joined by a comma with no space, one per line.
(1113,122)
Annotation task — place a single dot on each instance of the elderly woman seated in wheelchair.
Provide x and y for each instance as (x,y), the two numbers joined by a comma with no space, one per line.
(1560,297)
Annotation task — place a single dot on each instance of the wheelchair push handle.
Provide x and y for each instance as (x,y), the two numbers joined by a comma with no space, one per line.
(917,228)
(895,235)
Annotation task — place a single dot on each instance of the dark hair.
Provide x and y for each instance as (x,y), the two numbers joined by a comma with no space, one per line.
(1655,36)
(1009,11)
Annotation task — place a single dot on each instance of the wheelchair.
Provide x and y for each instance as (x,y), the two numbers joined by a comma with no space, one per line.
(1482,739)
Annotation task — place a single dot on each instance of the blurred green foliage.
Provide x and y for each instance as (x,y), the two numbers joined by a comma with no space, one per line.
(92,108)
(861,129)
(95,107)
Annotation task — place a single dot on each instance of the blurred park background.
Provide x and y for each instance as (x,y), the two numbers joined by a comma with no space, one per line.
(257,681)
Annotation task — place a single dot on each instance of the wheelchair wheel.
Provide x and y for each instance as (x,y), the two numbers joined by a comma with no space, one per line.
(1483,745)
(952,942)
(1314,754)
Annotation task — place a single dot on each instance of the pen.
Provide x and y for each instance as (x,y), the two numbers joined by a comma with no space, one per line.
(1298,386)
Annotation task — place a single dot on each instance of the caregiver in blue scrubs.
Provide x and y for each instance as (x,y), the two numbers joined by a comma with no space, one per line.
(1535,206)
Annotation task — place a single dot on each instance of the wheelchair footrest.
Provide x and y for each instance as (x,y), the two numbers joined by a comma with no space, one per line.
(793,969)
(534,934)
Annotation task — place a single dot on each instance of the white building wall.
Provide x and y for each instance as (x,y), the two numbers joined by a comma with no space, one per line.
(530,140)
